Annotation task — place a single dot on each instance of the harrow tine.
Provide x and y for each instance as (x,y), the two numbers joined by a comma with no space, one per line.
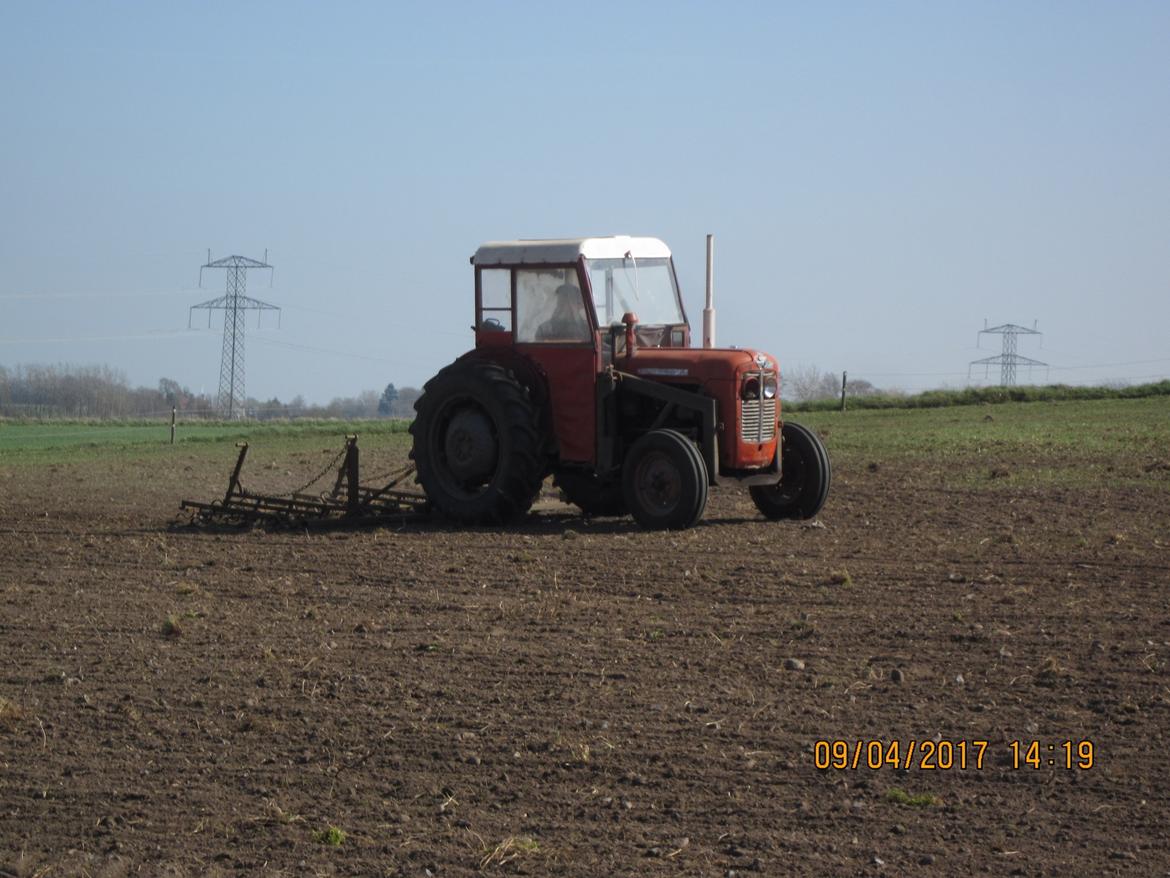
(234,481)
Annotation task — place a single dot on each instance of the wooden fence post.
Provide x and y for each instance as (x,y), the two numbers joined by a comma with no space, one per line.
(844,375)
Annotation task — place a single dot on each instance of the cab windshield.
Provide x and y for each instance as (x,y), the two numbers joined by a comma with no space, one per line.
(644,286)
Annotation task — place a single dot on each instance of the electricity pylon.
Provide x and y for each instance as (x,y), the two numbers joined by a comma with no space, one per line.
(1009,359)
(234,303)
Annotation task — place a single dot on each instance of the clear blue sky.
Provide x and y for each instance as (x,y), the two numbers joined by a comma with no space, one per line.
(880,177)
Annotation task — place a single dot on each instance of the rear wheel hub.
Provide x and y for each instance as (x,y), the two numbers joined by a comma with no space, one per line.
(470,446)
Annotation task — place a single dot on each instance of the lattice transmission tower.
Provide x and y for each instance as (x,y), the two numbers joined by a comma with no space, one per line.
(1009,359)
(235,304)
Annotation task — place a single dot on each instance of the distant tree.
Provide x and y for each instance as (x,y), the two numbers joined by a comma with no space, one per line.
(861,387)
(804,383)
(364,405)
(171,391)
(808,383)
(386,403)
(367,404)
(274,408)
(404,405)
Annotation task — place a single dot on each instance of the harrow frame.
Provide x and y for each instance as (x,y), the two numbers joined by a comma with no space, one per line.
(356,503)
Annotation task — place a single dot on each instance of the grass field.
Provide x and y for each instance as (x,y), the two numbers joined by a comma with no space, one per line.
(1059,443)
(70,440)
(1086,425)
(1123,436)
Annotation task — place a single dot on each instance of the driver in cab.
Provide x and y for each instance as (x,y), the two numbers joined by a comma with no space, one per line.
(568,321)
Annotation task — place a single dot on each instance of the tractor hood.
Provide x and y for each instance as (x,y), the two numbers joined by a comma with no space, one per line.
(696,365)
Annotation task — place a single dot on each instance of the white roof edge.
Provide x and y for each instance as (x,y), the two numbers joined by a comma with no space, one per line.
(568,250)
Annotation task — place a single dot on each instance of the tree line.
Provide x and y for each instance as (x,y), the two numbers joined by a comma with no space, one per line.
(809,384)
(66,391)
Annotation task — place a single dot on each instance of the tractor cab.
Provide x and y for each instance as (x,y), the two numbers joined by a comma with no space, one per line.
(564,291)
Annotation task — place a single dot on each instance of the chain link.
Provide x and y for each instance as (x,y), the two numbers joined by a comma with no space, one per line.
(390,476)
(329,467)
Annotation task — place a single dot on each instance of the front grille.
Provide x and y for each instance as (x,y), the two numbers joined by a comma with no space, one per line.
(757,420)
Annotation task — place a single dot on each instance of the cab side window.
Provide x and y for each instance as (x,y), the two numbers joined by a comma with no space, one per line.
(495,293)
(549,307)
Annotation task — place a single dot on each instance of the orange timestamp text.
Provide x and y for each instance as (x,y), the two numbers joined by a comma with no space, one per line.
(947,755)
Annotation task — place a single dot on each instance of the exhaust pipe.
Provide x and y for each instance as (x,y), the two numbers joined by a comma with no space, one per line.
(709,311)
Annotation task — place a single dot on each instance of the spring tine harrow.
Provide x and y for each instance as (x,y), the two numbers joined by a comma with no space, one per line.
(348,502)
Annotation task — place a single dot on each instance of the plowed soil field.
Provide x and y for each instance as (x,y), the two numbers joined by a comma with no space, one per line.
(575,696)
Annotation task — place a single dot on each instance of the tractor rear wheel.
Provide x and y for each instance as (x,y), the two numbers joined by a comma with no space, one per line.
(591,495)
(664,481)
(477,444)
(804,476)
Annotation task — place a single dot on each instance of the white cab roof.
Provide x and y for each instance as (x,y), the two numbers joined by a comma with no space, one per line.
(564,250)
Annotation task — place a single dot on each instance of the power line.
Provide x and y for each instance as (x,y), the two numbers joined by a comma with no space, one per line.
(1113,365)
(94,296)
(869,374)
(166,333)
(316,350)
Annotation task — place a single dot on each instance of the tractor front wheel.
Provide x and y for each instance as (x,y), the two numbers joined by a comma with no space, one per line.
(664,481)
(477,444)
(804,476)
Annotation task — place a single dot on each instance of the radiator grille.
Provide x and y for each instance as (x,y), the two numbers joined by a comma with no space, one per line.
(757,420)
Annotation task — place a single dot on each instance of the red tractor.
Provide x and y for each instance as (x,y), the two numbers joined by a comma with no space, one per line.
(583,369)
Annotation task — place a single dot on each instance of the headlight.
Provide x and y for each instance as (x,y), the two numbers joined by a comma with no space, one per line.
(751,388)
(770,387)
